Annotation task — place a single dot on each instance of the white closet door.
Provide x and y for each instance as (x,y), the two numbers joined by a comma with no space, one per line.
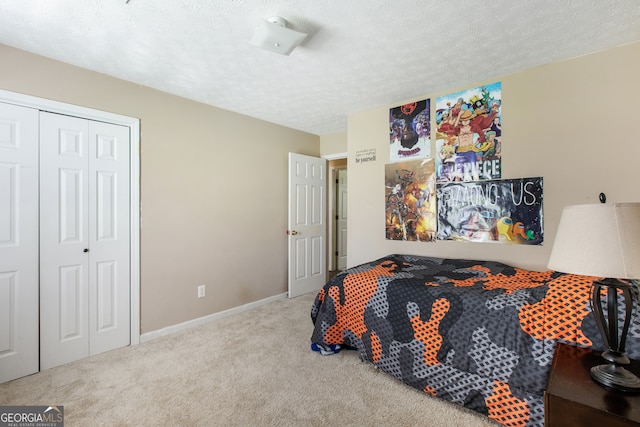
(109,237)
(64,242)
(18,241)
(84,238)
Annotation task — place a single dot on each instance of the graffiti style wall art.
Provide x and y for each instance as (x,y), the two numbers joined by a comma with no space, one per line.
(410,131)
(410,201)
(469,134)
(502,211)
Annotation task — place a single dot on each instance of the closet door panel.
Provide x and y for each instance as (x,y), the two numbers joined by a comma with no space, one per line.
(70,205)
(64,242)
(18,241)
(109,269)
(71,295)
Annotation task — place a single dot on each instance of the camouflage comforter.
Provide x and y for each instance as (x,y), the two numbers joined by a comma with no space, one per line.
(477,333)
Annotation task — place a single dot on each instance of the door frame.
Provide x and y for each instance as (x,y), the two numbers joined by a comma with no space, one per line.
(339,236)
(331,206)
(134,181)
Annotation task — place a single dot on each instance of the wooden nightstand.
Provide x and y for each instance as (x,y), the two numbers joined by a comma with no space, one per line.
(572,398)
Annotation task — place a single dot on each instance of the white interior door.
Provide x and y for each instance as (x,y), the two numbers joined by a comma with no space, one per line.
(18,241)
(307,226)
(341,221)
(84,238)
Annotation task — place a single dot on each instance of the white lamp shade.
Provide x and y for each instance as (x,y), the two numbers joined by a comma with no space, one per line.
(273,35)
(600,240)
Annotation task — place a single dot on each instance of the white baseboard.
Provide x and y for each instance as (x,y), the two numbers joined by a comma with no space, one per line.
(206,319)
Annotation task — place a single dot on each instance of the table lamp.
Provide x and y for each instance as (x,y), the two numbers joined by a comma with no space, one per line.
(603,240)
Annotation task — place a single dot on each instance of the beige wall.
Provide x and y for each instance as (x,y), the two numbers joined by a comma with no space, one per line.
(574,123)
(334,143)
(213,191)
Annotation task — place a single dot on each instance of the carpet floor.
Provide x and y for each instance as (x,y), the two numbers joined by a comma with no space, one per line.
(247,369)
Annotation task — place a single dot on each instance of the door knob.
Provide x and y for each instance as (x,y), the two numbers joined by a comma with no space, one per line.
(294,232)
(86,250)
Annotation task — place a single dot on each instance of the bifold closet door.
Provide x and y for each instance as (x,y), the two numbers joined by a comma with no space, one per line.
(84,238)
(18,241)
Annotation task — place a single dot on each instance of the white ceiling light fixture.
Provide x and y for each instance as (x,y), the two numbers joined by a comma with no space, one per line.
(273,35)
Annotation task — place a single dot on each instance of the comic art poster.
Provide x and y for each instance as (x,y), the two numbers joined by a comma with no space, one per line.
(469,134)
(502,211)
(410,200)
(410,131)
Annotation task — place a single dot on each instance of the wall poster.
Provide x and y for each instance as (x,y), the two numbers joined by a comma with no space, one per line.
(469,134)
(410,131)
(502,211)
(410,200)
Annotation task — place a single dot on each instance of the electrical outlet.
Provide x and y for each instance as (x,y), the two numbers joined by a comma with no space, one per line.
(201,291)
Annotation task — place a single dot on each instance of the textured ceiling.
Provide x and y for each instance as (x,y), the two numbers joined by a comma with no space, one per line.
(360,54)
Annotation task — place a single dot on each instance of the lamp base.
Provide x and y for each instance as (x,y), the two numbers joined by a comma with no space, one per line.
(616,377)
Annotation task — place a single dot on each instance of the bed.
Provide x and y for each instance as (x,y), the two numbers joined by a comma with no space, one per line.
(477,333)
